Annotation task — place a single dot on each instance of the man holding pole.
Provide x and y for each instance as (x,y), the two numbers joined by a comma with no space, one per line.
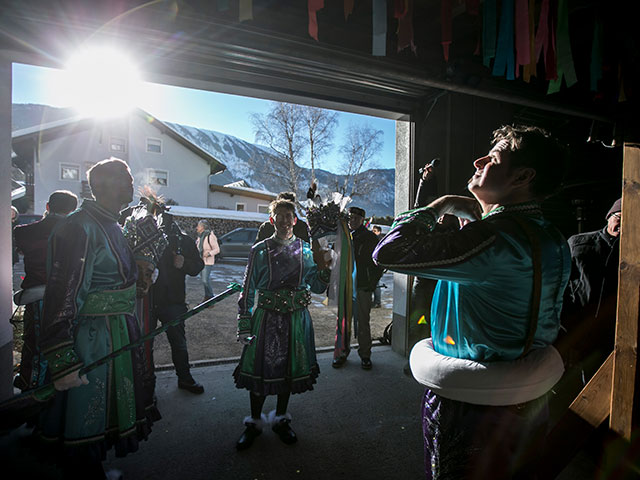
(88,312)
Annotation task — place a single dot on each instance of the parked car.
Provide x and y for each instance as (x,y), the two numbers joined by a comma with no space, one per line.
(26,218)
(237,243)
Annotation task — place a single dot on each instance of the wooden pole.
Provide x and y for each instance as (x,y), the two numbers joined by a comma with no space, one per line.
(625,360)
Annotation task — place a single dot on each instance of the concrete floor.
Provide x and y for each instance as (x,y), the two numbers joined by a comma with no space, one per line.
(354,424)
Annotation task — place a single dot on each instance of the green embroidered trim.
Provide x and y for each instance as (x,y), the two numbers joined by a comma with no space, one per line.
(110,302)
(61,361)
(324,275)
(424,216)
(244,323)
(284,300)
(45,393)
(529,208)
(493,212)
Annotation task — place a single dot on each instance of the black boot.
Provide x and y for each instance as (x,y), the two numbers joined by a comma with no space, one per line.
(253,430)
(280,425)
(190,385)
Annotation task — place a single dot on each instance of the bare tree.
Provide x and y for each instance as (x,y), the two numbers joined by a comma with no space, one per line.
(320,126)
(361,145)
(282,130)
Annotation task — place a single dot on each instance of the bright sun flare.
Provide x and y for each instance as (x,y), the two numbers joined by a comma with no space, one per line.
(100,82)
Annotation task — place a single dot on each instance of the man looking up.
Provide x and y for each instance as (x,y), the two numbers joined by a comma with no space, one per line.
(499,295)
(31,241)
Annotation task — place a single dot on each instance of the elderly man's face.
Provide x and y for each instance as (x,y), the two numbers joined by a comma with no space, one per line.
(613,224)
(122,182)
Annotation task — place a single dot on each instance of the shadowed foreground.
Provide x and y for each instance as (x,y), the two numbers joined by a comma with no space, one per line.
(355,424)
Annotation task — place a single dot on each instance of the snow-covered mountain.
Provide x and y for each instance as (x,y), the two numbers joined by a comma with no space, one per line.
(251,162)
(244,161)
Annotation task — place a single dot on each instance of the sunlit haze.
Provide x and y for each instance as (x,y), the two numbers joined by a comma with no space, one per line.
(100,82)
(93,93)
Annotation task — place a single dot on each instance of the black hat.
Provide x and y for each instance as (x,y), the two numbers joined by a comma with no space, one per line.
(615,208)
(357,211)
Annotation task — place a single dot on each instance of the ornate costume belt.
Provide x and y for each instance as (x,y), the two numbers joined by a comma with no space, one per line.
(284,300)
(110,302)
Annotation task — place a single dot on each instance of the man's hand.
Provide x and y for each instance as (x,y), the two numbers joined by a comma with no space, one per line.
(321,257)
(70,381)
(178,261)
(466,208)
(427,172)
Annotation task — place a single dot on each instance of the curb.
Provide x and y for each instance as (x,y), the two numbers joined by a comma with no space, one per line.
(227,360)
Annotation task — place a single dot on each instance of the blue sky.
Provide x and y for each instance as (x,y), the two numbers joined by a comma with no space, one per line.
(212,111)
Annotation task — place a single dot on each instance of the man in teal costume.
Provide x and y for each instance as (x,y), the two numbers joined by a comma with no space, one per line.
(279,356)
(485,306)
(88,312)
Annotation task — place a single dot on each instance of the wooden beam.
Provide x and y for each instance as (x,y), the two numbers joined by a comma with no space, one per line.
(625,361)
(592,403)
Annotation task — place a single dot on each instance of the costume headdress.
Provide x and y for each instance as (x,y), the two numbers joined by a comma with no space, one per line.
(328,226)
(141,227)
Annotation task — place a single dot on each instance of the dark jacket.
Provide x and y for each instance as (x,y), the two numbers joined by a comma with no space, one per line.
(169,288)
(300,230)
(31,241)
(589,307)
(367,272)
(594,267)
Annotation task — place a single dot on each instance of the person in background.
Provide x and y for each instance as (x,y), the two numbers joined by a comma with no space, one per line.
(208,248)
(300,229)
(367,276)
(179,259)
(279,355)
(590,301)
(377,293)
(15,215)
(498,299)
(31,241)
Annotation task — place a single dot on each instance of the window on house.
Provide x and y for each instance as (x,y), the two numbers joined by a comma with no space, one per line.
(69,171)
(159,177)
(240,207)
(263,208)
(154,145)
(118,144)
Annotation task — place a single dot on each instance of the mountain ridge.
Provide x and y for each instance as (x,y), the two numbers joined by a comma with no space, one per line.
(244,161)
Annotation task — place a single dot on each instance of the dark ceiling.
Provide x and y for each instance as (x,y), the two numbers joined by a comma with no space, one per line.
(202,44)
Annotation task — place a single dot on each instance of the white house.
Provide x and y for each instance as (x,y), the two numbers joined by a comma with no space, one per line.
(57,155)
(238,196)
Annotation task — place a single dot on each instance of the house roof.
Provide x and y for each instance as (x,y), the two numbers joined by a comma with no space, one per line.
(199,212)
(52,129)
(238,188)
(216,165)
